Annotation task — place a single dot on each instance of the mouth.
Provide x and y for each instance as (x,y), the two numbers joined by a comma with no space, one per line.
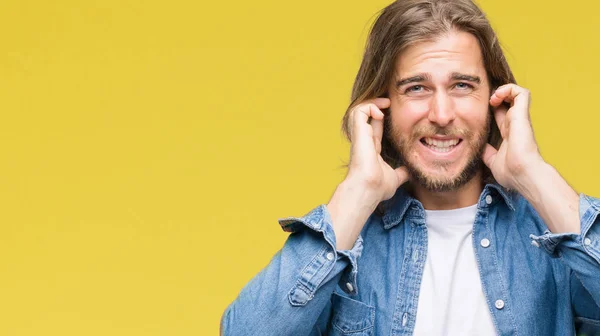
(441,144)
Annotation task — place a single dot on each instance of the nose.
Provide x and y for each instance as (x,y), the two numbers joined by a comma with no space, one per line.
(441,111)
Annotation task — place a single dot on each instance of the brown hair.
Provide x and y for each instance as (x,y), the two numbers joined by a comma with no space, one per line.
(407,22)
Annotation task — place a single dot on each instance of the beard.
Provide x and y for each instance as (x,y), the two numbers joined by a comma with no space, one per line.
(476,142)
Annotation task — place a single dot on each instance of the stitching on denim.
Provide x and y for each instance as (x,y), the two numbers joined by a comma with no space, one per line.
(293,301)
(583,235)
(318,277)
(346,332)
(349,332)
(508,306)
(399,302)
(350,276)
(591,202)
(298,281)
(419,275)
(483,286)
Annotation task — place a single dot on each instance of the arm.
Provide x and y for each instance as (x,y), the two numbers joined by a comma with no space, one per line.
(573,224)
(288,296)
(552,197)
(572,219)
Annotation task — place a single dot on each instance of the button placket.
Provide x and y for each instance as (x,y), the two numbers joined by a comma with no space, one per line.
(411,276)
(491,274)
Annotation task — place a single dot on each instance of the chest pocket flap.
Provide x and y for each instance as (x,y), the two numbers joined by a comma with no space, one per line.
(351,317)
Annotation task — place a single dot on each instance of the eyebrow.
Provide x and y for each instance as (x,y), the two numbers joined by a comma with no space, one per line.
(413,79)
(463,77)
(426,77)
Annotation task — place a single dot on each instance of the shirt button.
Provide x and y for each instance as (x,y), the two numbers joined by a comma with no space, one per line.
(416,256)
(534,243)
(587,241)
(485,242)
(499,304)
(330,256)
(349,286)
(488,199)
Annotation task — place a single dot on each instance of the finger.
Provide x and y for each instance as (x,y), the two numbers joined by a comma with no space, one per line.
(377,125)
(402,174)
(489,155)
(382,102)
(360,118)
(502,94)
(500,116)
(518,97)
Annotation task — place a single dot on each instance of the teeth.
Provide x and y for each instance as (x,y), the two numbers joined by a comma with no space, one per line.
(441,144)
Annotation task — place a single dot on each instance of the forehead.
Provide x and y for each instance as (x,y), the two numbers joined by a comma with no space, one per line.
(455,51)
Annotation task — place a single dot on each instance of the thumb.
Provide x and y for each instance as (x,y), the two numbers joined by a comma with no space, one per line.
(489,155)
(402,174)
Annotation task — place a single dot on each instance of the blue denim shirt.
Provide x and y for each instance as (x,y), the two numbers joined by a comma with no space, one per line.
(535,282)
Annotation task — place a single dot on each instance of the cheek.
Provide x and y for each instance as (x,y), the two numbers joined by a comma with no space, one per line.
(473,112)
(408,113)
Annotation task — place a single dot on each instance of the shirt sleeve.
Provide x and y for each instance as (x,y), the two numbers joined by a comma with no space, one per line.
(580,252)
(290,293)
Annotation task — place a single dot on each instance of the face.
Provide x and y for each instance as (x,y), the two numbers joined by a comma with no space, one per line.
(439,118)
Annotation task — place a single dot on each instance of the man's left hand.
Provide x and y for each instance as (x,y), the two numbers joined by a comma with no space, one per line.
(518,156)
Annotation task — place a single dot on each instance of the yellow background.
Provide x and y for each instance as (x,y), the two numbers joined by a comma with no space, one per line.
(147,148)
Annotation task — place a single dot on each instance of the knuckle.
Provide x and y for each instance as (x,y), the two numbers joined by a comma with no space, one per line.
(362,109)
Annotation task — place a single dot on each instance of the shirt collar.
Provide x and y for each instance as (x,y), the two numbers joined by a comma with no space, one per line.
(402,204)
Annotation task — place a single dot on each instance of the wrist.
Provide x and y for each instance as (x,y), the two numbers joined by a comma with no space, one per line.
(350,208)
(530,182)
(360,192)
(553,198)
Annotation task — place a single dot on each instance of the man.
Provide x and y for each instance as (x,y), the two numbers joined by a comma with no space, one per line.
(449,222)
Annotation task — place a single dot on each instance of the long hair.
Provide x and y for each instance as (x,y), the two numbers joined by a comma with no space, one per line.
(405,23)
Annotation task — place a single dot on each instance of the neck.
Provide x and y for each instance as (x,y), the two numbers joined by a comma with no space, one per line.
(464,196)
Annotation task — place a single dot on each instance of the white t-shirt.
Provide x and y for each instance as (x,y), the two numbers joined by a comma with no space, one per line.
(451,300)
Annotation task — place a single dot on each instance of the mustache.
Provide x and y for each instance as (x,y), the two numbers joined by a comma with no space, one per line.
(432,130)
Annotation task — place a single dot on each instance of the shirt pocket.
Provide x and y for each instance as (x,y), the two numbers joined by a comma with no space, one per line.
(351,317)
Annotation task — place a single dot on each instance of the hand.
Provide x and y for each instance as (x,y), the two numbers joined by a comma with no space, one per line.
(370,180)
(518,155)
(367,167)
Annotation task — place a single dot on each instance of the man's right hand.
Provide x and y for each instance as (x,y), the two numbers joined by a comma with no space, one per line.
(370,179)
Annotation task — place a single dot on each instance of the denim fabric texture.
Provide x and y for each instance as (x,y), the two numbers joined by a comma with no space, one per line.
(535,282)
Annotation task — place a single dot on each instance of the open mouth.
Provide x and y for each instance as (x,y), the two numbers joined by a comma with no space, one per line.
(441,145)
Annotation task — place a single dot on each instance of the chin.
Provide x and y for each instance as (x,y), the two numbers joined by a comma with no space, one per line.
(442,172)
(443,179)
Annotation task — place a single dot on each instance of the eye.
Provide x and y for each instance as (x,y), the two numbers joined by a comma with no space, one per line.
(463,86)
(415,89)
